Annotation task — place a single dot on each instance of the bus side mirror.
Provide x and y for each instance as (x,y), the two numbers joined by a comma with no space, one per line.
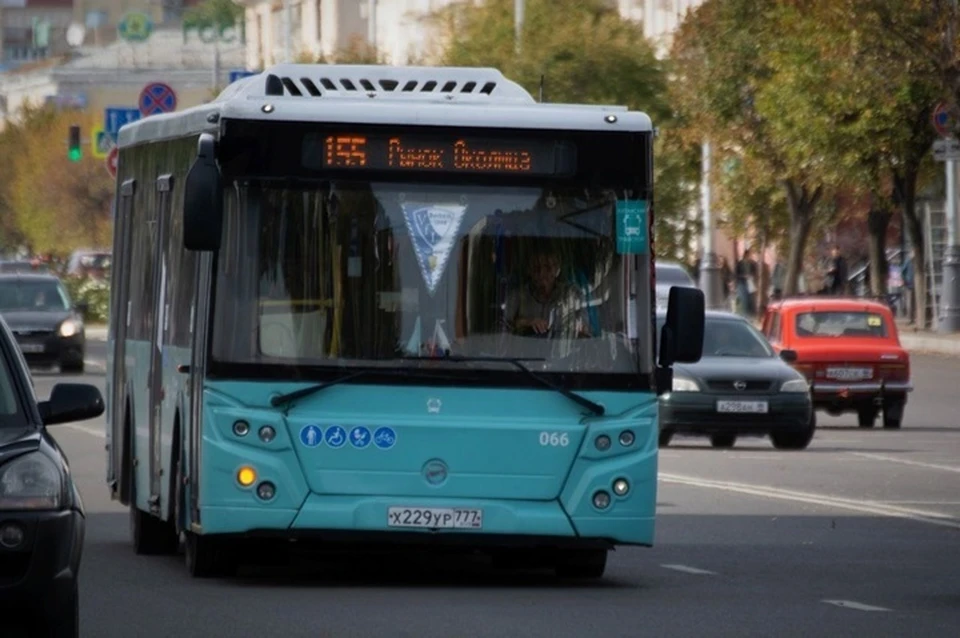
(681,339)
(203,199)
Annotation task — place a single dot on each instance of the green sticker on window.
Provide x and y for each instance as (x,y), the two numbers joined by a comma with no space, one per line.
(633,237)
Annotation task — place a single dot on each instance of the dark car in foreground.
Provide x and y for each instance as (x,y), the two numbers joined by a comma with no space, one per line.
(740,387)
(47,325)
(42,521)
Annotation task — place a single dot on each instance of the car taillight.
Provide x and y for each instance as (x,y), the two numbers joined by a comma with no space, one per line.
(894,372)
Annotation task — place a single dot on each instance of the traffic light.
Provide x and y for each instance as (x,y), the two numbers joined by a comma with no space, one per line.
(75,153)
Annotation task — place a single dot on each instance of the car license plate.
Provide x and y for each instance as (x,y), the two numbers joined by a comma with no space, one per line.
(743,407)
(435,517)
(849,374)
(31,347)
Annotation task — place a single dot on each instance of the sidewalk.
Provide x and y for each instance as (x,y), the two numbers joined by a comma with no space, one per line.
(928,342)
(96,332)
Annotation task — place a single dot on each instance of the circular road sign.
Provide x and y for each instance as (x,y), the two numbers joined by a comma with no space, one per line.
(155,98)
(941,119)
(135,26)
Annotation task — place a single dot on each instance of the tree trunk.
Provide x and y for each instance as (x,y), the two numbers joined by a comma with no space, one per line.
(800,204)
(878,221)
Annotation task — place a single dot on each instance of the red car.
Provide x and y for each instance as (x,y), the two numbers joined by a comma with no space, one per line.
(850,352)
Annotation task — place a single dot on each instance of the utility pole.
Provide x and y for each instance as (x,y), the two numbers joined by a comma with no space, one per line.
(518,10)
(288,31)
(709,264)
(950,277)
(372,23)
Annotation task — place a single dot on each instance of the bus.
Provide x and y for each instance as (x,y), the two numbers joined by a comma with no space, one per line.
(384,305)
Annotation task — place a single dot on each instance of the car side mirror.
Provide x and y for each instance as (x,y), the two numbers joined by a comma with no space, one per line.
(71,402)
(681,339)
(203,199)
(790,356)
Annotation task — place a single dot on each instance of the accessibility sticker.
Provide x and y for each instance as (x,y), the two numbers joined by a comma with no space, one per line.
(336,436)
(311,435)
(384,438)
(360,437)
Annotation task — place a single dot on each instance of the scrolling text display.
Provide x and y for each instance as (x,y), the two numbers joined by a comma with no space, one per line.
(353,151)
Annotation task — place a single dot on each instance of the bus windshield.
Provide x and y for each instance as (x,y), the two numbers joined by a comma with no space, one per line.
(379,274)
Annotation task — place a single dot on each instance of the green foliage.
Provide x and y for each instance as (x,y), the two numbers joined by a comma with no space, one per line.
(95,292)
(213,13)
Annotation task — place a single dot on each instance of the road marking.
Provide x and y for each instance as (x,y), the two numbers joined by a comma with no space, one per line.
(689,570)
(757,456)
(868,507)
(95,364)
(923,502)
(893,459)
(852,604)
(86,429)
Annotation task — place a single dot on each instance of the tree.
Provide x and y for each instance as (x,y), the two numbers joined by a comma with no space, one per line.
(58,205)
(724,79)
(581,51)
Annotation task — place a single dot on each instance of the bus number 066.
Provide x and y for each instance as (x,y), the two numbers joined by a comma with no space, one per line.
(554,439)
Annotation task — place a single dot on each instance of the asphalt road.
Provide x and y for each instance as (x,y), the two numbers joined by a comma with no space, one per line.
(857,536)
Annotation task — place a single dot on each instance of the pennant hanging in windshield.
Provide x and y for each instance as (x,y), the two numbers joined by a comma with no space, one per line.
(433,231)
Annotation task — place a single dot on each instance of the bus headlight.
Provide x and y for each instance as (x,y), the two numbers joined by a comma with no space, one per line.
(30,482)
(621,487)
(682,384)
(68,328)
(601,500)
(795,385)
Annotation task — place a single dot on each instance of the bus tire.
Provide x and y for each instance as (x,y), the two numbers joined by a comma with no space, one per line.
(582,564)
(207,557)
(150,535)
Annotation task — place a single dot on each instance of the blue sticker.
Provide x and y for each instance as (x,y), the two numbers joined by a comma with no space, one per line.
(632,227)
(336,436)
(384,438)
(360,437)
(433,230)
(311,435)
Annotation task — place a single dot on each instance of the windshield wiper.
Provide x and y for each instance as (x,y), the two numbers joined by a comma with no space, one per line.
(594,407)
(281,399)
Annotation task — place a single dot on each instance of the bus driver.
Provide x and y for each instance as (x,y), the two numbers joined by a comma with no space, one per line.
(545,305)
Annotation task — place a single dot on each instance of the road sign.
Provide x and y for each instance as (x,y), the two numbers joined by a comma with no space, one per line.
(239,75)
(102,143)
(946,150)
(113,158)
(941,119)
(135,26)
(115,117)
(157,98)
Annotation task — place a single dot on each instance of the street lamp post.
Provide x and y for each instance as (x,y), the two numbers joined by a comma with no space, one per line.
(950,278)
(709,264)
(518,9)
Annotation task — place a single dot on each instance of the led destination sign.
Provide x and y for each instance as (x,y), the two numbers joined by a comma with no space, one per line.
(385,152)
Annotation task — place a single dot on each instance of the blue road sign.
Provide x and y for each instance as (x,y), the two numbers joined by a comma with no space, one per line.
(239,75)
(311,435)
(157,98)
(114,117)
(384,438)
(336,436)
(360,437)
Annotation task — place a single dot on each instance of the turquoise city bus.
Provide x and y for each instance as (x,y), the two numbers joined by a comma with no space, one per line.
(383,305)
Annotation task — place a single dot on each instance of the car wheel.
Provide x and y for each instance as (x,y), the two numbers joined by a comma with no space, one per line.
(893,415)
(582,564)
(866,417)
(723,441)
(72,366)
(665,437)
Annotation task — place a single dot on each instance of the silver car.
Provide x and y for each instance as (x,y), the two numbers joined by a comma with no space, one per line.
(669,274)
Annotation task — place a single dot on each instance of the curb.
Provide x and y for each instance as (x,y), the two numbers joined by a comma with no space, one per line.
(96,333)
(930,344)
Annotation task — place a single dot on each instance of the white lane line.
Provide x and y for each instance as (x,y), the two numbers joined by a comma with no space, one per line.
(689,570)
(852,604)
(95,364)
(86,429)
(893,459)
(922,502)
(868,507)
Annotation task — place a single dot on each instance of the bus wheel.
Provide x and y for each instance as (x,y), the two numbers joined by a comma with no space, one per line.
(588,563)
(207,557)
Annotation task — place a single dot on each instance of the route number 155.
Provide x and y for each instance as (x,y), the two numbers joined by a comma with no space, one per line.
(554,439)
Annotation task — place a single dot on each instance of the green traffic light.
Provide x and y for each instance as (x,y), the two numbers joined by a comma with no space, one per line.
(75,155)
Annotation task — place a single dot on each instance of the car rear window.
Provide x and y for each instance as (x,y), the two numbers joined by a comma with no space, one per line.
(835,323)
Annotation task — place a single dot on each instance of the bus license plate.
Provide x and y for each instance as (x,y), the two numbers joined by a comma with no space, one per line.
(435,517)
(743,407)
